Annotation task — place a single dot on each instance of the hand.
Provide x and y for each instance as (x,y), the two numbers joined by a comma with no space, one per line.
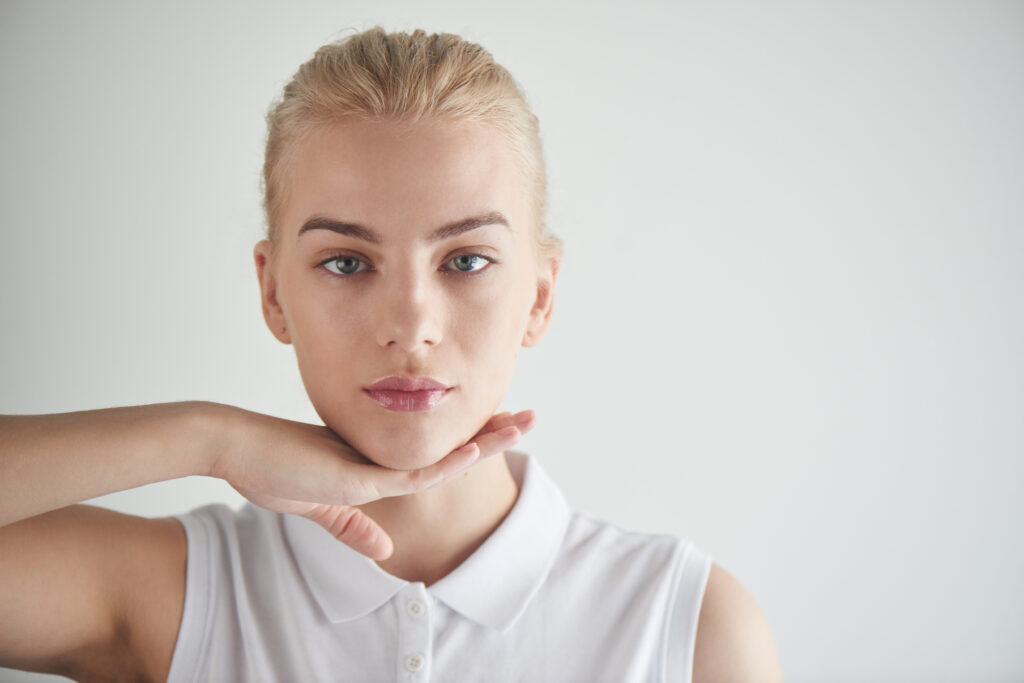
(304,469)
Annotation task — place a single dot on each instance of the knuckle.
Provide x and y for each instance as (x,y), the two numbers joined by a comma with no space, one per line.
(349,526)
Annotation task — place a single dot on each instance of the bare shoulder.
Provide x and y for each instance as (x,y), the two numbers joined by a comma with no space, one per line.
(734,642)
(153,600)
(96,594)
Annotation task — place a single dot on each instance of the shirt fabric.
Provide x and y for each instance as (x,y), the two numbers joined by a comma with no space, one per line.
(549,596)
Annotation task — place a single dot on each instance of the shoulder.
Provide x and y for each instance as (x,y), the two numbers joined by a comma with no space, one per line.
(225,544)
(223,536)
(734,641)
(152,576)
(662,575)
(232,555)
(97,593)
(604,550)
(585,532)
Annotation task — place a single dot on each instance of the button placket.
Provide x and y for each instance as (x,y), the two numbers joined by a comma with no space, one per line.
(414,633)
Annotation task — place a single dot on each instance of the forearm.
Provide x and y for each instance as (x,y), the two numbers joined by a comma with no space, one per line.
(50,461)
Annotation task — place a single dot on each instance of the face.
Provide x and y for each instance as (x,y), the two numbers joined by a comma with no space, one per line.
(406,275)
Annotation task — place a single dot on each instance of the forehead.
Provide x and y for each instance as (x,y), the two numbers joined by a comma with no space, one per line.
(394,175)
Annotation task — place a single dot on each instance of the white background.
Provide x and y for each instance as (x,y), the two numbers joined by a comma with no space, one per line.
(789,324)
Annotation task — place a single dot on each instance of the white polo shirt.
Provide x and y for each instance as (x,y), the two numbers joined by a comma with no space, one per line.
(549,596)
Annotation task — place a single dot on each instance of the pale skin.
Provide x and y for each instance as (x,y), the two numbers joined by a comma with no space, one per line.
(417,290)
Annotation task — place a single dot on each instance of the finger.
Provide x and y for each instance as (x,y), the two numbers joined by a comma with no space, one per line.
(497,421)
(508,436)
(502,431)
(354,528)
(517,420)
(502,420)
(496,442)
(525,420)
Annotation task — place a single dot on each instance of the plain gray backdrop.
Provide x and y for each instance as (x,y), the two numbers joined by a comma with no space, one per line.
(788,326)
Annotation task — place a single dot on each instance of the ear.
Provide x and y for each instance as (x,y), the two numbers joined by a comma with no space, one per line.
(273,314)
(543,305)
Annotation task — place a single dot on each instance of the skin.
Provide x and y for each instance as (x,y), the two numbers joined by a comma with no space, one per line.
(98,595)
(734,641)
(407,310)
(407,314)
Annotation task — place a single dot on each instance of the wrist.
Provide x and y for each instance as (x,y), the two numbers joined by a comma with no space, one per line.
(212,423)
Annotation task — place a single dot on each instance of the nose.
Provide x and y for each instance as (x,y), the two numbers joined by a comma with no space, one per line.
(406,315)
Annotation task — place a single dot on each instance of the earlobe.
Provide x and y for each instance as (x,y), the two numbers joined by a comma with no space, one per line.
(273,314)
(543,305)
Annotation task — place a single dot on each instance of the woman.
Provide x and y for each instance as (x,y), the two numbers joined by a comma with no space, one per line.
(406,261)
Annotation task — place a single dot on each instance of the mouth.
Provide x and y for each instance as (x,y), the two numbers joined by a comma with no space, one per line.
(407,394)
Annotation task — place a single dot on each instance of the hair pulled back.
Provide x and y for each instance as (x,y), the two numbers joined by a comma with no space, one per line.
(406,77)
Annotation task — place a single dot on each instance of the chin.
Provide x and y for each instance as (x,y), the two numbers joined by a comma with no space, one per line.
(405,459)
(401,449)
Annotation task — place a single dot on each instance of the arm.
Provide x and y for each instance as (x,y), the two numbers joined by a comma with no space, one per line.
(734,642)
(72,577)
(91,594)
(50,461)
(87,592)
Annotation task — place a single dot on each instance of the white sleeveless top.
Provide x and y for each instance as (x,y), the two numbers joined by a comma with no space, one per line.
(549,596)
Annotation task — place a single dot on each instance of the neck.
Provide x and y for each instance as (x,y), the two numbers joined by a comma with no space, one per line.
(435,530)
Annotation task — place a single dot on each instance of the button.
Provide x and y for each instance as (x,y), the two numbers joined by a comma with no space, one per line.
(414,661)
(416,608)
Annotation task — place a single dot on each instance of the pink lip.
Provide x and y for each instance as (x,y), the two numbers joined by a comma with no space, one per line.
(407,394)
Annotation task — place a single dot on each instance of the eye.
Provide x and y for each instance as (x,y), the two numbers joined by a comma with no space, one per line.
(468,263)
(345,265)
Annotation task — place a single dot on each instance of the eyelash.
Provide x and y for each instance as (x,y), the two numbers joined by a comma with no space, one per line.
(337,257)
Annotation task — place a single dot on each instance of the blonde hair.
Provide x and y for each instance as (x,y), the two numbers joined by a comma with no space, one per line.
(403,77)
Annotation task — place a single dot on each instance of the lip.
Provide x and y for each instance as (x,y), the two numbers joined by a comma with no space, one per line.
(407,394)
(399,383)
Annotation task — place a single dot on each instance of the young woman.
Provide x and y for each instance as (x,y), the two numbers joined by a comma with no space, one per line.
(406,261)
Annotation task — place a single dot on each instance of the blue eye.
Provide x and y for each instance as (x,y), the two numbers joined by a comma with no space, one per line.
(345,265)
(469,263)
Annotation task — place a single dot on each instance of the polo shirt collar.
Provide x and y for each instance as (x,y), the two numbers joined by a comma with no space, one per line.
(517,558)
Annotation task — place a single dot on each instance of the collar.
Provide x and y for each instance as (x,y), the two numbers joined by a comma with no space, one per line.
(517,557)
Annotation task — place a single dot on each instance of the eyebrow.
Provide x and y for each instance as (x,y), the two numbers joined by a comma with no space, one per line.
(367,235)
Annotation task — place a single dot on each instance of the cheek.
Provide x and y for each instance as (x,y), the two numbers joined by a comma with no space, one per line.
(326,328)
(489,328)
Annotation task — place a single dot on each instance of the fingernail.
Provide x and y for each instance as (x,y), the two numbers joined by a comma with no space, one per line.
(508,431)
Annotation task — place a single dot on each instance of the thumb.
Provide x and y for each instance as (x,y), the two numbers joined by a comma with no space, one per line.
(354,528)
